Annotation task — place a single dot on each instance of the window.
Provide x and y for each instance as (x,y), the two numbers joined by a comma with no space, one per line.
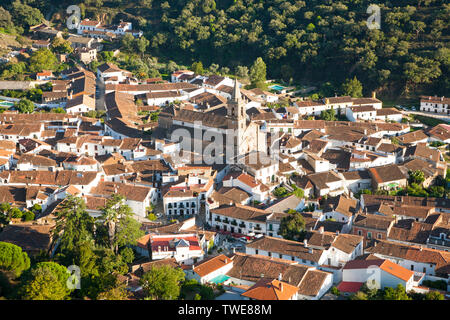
(412,267)
(424,270)
(369,235)
(269,254)
(359,233)
(379,236)
(256,251)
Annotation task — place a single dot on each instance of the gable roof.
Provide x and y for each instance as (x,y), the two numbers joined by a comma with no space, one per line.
(204,268)
(271,289)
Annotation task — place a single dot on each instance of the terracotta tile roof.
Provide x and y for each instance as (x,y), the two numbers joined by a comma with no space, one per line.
(351,287)
(242,212)
(396,270)
(438,100)
(341,204)
(414,253)
(347,242)
(286,247)
(373,200)
(254,267)
(130,192)
(373,221)
(312,283)
(204,268)
(412,137)
(271,289)
(387,173)
(30,237)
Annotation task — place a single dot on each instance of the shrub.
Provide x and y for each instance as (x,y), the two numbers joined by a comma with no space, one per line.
(439,284)
(28,216)
(335,291)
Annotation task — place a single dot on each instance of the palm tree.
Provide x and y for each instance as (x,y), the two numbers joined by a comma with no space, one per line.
(111,215)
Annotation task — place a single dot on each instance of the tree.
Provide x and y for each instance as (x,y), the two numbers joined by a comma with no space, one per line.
(398,293)
(107,56)
(25,106)
(59,45)
(28,216)
(73,224)
(5,19)
(420,71)
(45,281)
(280,192)
(359,296)
(352,88)
(115,293)
(122,228)
(197,67)
(416,176)
(241,71)
(434,295)
(24,15)
(43,59)
(13,259)
(328,115)
(127,42)
(162,283)
(292,226)
(299,193)
(142,44)
(258,73)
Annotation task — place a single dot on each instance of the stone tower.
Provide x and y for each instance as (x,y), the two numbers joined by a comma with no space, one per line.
(237,118)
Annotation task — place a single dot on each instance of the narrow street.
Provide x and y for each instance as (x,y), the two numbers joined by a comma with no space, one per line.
(99,95)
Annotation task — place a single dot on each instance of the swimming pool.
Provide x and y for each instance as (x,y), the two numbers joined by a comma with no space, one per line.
(276,87)
(6,104)
(219,279)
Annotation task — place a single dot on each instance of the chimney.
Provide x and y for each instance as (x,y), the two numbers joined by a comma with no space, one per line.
(374,95)
(280,277)
(421,248)
(310,250)
(149,248)
(321,229)
(226,260)
(305,243)
(281,286)
(327,101)
(337,232)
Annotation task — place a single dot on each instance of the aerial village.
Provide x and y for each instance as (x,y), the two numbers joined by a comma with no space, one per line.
(304,209)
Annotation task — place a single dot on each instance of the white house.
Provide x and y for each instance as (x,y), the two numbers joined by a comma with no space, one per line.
(207,270)
(185,248)
(376,273)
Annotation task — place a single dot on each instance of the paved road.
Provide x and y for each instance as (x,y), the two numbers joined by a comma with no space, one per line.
(100,96)
(439,116)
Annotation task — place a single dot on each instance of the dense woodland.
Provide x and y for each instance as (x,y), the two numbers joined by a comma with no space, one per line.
(312,42)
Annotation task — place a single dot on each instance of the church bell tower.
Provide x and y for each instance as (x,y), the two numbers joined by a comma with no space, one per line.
(237,116)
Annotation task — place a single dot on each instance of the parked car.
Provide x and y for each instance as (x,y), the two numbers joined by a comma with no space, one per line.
(243,239)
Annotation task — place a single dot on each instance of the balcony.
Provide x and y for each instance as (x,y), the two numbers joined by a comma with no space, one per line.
(258,228)
(234,223)
(226,220)
(217,219)
(242,225)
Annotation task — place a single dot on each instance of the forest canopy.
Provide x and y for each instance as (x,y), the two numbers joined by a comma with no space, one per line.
(313,41)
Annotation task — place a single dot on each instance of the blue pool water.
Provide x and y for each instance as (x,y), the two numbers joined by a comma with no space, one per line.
(276,87)
(219,279)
